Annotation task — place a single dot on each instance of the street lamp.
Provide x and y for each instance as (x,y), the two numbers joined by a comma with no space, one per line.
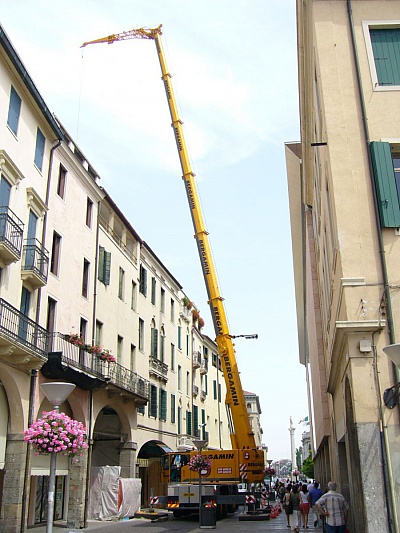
(391,395)
(200,444)
(56,393)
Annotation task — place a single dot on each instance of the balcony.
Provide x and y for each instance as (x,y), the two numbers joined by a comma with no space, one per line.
(78,365)
(22,341)
(196,359)
(35,263)
(204,366)
(185,313)
(203,395)
(158,368)
(195,390)
(11,230)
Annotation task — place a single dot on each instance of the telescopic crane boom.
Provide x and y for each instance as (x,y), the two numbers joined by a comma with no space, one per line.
(241,434)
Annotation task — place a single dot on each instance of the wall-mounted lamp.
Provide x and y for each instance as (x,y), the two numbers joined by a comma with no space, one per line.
(391,395)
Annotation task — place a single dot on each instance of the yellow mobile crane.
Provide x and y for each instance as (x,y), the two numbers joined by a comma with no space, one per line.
(245,462)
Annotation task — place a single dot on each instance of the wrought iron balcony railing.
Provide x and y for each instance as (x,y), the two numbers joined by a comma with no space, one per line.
(84,358)
(21,331)
(158,368)
(35,262)
(11,230)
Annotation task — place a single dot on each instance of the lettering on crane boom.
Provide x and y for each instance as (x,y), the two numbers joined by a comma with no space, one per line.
(217,320)
(204,257)
(231,382)
(221,456)
(190,194)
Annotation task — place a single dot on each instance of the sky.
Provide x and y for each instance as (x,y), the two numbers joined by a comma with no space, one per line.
(234,74)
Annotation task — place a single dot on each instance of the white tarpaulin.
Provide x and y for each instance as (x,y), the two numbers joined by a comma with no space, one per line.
(112,497)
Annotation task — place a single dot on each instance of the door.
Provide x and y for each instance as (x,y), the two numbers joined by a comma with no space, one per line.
(5,189)
(24,308)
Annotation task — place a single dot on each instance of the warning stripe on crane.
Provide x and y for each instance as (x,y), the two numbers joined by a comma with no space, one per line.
(154,500)
(242,470)
(250,499)
(172,505)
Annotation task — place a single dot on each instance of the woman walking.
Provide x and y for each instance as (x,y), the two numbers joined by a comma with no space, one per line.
(295,499)
(304,505)
(287,505)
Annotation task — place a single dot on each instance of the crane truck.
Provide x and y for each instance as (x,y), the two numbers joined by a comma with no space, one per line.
(244,463)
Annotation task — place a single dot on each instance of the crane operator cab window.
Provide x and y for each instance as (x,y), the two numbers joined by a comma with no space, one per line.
(174,462)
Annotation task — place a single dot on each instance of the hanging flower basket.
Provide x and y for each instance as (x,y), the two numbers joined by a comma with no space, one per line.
(270,471)
(296,472)
(200,322)
(195,315)
(97,351)
(199,463)
(56,432)
(187,303)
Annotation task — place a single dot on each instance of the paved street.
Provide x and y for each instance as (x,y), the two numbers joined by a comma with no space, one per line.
(232,524)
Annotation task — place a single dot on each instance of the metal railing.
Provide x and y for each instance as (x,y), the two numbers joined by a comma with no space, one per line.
(36,258)
(81,358)
(11,229)
(21,330)
(157,365)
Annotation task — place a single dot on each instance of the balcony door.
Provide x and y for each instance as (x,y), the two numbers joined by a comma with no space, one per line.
(31,241)
(24,308)
(5,190)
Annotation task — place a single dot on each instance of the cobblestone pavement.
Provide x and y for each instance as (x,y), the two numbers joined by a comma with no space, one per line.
(232,524)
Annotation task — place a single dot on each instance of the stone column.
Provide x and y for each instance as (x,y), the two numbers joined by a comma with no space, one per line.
(77,491)
(15,461)
(127,459)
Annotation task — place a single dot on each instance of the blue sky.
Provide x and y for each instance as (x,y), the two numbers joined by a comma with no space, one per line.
(234,74)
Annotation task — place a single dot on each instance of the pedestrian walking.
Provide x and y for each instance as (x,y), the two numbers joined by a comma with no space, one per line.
(313,495)
(334,507)
(295,519)
(304,505)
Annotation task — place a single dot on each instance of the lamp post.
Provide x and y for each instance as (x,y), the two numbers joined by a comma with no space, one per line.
(200,444)
(56,393)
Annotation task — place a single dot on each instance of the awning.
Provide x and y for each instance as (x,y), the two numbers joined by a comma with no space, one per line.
(153,448)
(40,465)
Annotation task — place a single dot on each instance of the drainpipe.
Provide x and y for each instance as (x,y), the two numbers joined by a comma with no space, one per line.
(90,407)
(32,394)
(34,373)
(387,464)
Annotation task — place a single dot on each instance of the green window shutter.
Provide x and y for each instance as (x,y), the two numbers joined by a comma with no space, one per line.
(14,111)
(162,347)
(386,49)
(163,405)
(179,337)
(141,409)
(219,392)
(153,291)
(179,420)
(203,421)
(215,389)
(107,268)
(154,342)
(153,401)
(39,149)
(205,384)
(385,184)
(143,280)
(188,422)
(196,421)
(100,272)
(173,408)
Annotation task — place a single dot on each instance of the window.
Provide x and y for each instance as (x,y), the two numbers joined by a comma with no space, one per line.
(133,296)
(154,342)
(133,357)
(187,343)
(179,420)
(153,401)
(141,334)
(153,290)
(62,176)
(89,212)
(179,337)
(162,345)
(162,413)
(85,278)
(382,42)
(385,44)
(55,254)
(121,280)
(215,389)
(215,360)
(188,383)
(14,110)
(99,333)
(179,377)
(172,365)
(143,281)
(173,409)
(120,346)
(162,301)
(172,317)
(39,149)
(196,420)
(104,266)
(219,392)
(385,164)
(188,423)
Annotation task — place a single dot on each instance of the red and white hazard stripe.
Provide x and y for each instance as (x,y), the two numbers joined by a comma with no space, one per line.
(242,470)
(154,500)
(250,499)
